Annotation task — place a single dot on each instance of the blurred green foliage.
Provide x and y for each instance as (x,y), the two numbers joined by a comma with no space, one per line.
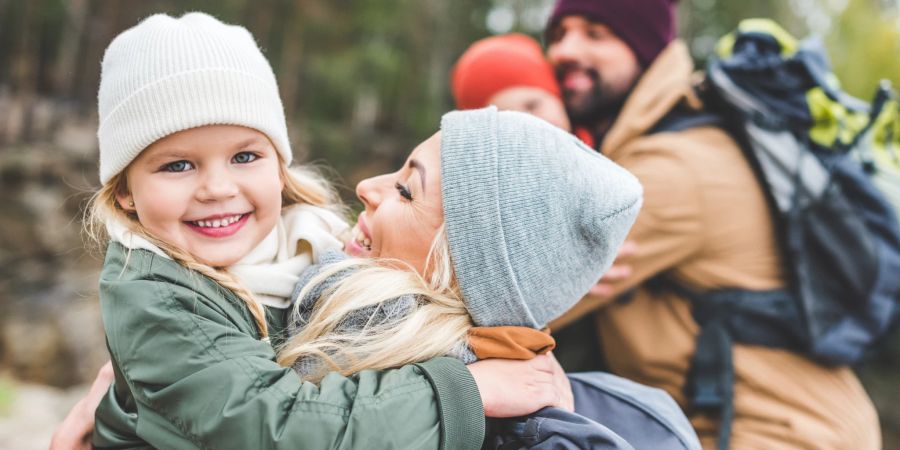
(364,80)
(7,395)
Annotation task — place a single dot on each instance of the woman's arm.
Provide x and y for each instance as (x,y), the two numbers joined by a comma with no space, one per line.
(197,380)
(501,383)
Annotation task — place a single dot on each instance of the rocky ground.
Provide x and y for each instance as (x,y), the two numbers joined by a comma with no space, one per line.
(29,413)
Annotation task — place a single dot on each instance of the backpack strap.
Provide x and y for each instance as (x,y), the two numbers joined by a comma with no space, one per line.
(683,118)
(710,381)
(767,318)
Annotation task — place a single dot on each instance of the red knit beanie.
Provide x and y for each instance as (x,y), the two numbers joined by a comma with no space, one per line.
(499,62)
(647,26)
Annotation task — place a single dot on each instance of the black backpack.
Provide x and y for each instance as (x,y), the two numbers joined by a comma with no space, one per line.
(823,159)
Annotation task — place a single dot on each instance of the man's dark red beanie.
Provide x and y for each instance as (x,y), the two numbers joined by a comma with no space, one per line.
(647,26)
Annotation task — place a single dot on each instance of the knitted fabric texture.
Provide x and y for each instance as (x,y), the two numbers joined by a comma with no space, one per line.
(499,62)
(533,216)
(647,26)
(166,75)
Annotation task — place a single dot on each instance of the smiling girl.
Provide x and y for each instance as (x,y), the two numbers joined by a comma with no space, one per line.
(208,230)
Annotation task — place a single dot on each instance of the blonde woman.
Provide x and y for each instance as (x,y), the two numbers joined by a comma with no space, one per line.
(493,227)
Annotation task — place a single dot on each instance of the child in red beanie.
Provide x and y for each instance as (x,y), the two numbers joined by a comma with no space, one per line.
(510,72)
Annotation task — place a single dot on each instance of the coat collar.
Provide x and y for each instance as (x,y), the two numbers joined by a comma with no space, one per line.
(666,83)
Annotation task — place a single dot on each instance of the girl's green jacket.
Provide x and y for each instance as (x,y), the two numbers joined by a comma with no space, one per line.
(191,372)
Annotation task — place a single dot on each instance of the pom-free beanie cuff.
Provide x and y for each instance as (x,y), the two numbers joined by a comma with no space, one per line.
(647,26)
(213,96)
(471,198)
(167,74)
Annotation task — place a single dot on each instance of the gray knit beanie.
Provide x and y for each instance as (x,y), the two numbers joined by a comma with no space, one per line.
(166,75)
(533,216)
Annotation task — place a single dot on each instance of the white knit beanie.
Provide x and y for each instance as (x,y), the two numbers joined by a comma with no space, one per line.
(166,75)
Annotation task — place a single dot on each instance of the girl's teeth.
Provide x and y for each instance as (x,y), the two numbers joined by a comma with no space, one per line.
(218,222)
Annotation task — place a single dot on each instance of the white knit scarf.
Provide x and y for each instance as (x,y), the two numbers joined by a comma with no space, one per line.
(272,268)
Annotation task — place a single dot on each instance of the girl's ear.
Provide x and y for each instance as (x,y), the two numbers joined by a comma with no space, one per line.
(126,202)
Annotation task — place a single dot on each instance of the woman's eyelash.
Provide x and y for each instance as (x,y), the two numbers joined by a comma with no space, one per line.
(404,192)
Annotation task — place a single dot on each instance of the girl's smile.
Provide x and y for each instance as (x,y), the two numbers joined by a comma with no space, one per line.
(220,225)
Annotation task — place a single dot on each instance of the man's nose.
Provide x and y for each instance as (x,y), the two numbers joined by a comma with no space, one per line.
(564,50)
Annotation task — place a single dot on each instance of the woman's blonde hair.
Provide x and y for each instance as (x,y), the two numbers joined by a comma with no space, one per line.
(436,324)
(301,185)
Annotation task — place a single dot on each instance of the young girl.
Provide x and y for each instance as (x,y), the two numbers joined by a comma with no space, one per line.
(495,226)
(207,224)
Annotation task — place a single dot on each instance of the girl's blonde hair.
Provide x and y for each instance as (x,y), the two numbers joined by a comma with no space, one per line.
(301,185)
(436,325)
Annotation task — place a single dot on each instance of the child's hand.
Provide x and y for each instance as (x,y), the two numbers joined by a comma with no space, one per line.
(511,388)
(76,429)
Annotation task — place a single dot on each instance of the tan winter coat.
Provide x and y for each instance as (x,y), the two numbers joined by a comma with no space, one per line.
(706,223)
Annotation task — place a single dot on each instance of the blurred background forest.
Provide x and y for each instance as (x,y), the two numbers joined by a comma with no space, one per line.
(362,82)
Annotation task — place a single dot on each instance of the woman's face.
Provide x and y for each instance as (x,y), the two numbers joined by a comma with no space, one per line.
(213,191)
(403,209)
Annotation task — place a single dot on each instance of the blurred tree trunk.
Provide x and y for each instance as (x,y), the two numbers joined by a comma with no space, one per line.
(70,48)
(24,72)
(291,57)
(441,55)
(105,21)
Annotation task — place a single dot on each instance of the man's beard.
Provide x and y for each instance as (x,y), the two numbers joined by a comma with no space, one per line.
(599,103)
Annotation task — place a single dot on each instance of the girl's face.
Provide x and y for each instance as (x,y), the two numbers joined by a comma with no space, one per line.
(403,211)
(213,191)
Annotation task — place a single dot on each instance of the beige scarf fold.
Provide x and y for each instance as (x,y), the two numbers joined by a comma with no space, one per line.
(272,268)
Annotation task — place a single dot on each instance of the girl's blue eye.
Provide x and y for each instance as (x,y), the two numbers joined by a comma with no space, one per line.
(244,157)
(177,166)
